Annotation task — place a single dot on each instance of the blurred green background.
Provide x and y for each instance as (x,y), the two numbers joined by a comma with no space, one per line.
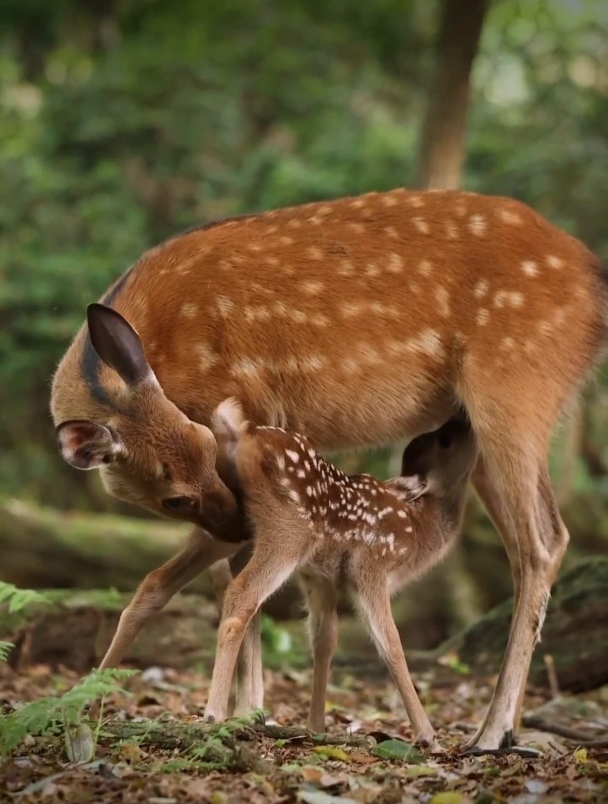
(124,121)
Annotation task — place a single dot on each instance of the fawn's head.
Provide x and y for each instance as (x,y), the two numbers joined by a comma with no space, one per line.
(440,462)
(148,451)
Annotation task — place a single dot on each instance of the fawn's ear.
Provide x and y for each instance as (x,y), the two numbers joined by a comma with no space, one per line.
(407,488)
(87,445)
(118,344)
(225,462)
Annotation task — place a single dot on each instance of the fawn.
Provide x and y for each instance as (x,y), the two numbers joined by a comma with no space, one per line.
(358,322)
(339,531)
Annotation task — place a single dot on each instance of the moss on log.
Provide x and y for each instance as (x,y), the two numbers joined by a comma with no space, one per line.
(44,548)
(76,627)
(575,632)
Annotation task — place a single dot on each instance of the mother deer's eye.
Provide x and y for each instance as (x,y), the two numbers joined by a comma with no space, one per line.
(177,503)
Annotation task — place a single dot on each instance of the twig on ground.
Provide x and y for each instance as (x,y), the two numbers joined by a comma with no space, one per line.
(533,722)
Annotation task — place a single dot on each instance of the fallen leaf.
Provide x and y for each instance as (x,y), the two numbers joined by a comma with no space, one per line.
(331,752)
(318,776)
(361,757)
(447,797)
(79,743)
(420,770)
(319,797)
(398,749)
(365,792)
(130,752)
(536,786)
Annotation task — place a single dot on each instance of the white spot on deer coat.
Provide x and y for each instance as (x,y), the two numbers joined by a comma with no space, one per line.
(428,343)
(190,309)
(443,301)
(483,316)
(395,264)
(206,356)
(477,225)
(510,216)
(529,267)
(481,288)
(313,288)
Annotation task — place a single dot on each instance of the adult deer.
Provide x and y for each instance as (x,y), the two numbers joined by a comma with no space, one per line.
(356,322)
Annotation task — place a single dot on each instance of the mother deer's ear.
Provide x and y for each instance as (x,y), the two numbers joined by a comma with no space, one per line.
(86,445)
(118,344)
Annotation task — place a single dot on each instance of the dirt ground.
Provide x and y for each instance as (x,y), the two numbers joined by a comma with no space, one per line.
(153,747)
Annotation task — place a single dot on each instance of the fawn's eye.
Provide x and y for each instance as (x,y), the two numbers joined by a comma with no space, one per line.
(177,503)
(444,441)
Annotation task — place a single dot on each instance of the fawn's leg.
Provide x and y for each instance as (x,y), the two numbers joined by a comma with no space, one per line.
(270,566)
(374,602)
(515,471)
(160,585)
(322,601)
(249,678)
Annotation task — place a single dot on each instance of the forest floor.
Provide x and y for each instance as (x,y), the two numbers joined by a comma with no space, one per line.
(153,747)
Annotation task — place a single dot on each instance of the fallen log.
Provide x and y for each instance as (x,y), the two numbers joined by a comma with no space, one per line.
(574,635)
(75,628)
(45,548)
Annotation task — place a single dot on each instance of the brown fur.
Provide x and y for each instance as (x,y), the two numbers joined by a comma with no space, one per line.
(339,531)
(358,322)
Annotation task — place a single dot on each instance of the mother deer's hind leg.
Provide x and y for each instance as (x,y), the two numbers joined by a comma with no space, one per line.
(514,449)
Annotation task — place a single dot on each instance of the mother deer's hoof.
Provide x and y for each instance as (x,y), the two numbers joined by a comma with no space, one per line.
(508,745)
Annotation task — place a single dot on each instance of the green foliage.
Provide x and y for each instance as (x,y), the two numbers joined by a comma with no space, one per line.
(399,750)
(18,599)
(5,649)
(50,714)
(277,640)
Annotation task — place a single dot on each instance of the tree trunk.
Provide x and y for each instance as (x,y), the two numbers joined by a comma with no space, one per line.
(442,140)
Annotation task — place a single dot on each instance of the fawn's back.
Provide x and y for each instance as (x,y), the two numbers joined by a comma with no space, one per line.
(348,521)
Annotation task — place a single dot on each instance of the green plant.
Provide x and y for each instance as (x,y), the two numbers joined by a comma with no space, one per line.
(16,599)
(52,713)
